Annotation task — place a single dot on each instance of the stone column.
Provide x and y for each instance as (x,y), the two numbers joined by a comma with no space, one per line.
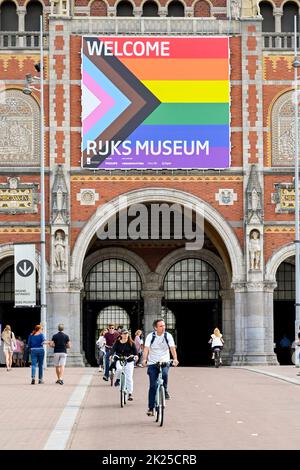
(240,297)
(269,320)
(152,308)
(228,323)
(277,15)
(64,306)
(21,11)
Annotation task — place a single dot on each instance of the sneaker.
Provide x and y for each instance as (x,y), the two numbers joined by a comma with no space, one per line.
(167,395)
(100,369)
(61,382)
(117,382)
(32,382)
(150,412)
(57,382)
(41,381)
(140,365)
(105,378)
(130,397)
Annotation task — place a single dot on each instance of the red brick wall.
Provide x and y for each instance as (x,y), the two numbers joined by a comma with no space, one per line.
(202,9)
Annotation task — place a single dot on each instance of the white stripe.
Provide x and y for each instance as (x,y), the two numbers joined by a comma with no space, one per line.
(59,437)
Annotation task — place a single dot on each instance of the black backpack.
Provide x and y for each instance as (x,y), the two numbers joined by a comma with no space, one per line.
(154,336)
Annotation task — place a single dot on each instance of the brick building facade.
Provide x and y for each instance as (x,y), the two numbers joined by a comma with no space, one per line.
(241,282)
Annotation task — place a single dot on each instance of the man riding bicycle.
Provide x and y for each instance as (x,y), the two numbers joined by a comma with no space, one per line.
(157,348)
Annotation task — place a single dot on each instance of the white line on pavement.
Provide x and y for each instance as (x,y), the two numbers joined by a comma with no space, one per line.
(59,437)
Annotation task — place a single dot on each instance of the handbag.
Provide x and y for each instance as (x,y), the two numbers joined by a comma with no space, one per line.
(13,345)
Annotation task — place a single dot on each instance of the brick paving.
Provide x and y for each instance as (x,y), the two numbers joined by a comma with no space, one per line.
(228,408)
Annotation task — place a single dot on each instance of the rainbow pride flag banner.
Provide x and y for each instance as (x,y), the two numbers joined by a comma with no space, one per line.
(155,102)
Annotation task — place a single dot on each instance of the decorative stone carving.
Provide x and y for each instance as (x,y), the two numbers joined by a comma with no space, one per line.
(235,7)
(283,130)
(19,129)
(60,213)
(16,197)
(284,198)
(254,198)
(226,197)
(250,9)
(255,250)
(60,251)
(87,197)
(60,7)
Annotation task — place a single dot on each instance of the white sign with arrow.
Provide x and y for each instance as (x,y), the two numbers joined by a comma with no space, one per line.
(25,282)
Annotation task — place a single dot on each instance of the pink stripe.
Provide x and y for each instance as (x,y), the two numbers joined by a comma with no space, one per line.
(107,102)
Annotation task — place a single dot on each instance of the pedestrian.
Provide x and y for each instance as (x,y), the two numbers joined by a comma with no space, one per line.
(110,338)
(157,347)
(101,342)
(60,342)
(9,346)
(139,346)
(36,342)
(18,352)
(124,346)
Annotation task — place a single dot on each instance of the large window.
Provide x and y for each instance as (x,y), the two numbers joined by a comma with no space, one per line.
(7,284)
(285,278)
(112,314)
(191,279)
(113,279)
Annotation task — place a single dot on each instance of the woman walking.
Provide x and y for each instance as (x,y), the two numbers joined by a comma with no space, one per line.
(8,346)
(36,341)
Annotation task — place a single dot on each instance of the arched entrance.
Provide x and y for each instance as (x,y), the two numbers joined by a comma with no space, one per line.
(112,295)
(191,290)
(21,320)
(284,310)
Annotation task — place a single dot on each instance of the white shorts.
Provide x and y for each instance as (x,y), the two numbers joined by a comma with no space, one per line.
(60,359)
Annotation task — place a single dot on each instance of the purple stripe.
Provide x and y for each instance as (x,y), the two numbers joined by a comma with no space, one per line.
(219,157)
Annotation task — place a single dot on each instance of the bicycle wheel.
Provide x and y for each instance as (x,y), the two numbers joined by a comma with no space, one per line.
(111,375)
(161,405)
(122,390)
(217,358)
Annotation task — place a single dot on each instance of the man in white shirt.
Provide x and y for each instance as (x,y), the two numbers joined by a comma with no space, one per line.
(157,348)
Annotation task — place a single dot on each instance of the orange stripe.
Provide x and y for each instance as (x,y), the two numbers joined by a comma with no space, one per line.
(178,69)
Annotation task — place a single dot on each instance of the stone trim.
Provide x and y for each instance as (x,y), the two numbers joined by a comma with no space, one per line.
(276,259)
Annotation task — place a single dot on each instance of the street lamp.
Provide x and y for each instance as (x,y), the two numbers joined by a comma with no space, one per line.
(296,65)
(28,90)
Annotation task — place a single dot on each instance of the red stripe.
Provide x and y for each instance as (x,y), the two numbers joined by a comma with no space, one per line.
(178,48)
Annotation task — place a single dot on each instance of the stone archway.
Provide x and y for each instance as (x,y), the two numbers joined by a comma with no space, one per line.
(105,212)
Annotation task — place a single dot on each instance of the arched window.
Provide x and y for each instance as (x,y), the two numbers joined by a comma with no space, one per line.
(150,9)
(8,17)
(191,279)
(113,279)
(175,9)
(98,8)
(124,9)
(202,9)
(290,9)
(7,285)
(112,314)
(32,18)
(285,278)
(266,11)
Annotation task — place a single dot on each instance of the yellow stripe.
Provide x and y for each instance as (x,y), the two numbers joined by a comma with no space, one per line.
(189,91)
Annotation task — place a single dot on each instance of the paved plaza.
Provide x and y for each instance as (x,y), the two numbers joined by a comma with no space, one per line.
(228,408)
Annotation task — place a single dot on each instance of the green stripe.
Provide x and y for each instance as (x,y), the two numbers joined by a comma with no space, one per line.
(190,113)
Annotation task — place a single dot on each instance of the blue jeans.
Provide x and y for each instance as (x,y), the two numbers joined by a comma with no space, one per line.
(153,372)
(107,356)
(37,357)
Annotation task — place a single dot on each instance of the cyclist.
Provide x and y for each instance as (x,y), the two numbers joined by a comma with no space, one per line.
(157,347)
(124,346)
(216,341)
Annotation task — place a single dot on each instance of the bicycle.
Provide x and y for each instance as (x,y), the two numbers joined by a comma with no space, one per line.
(123,390)
(217,352)
(160,395)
